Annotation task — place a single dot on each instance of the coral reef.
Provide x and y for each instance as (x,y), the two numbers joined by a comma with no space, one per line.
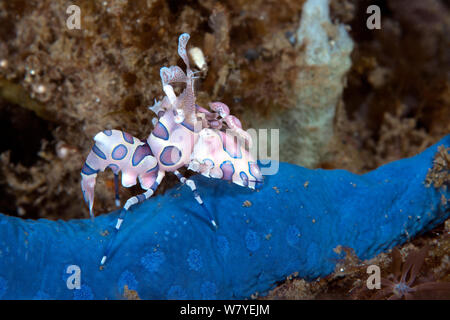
(397,95)
(439,174)
(167,250)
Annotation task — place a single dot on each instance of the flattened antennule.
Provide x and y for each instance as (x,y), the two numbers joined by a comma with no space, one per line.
(182,43)
(172,74)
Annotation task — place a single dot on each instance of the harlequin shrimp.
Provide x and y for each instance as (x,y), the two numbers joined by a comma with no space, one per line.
(212,143)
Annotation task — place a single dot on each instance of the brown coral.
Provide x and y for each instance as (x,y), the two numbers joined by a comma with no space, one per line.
(439,174)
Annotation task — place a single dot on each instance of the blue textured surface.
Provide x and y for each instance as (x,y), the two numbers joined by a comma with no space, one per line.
(165,249)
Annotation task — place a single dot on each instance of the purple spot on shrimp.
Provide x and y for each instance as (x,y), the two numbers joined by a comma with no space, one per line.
(140,153)
(98,152)
(114,167)
(227,169)
(87,170)
(127,137)
(155,168)
(150,150)
(187,126)
(160,131)
(244,178)
(119,152)
(107,132)
(231,145)
(170,156)
(254,171)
